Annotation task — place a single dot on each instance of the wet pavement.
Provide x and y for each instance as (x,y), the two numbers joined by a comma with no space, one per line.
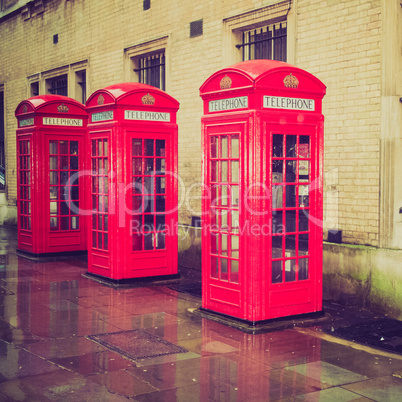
(65,337)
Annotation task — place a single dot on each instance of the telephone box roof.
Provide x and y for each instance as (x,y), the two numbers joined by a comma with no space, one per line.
(265,74)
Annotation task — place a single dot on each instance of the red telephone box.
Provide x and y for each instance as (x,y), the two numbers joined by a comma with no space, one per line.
(262,199)
(50,155)
(133,144)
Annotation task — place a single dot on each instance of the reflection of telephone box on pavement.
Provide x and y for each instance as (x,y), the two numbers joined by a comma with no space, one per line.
(262,203)
(133,146)
(50,154)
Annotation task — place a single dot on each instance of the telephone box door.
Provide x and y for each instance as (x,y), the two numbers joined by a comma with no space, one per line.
(295,216)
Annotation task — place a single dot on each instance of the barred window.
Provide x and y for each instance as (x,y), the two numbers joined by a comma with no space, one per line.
(268,42)
(151,70)
(57,85)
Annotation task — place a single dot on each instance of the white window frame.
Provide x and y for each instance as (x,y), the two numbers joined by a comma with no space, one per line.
(234,26)
(133,53)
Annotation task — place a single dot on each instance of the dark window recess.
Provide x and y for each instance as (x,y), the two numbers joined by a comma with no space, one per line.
(196,221)
(83,84)
(151,70)
(196,28)
(58,85)
(265,43)
(35,89)
(147,4)
(55,38)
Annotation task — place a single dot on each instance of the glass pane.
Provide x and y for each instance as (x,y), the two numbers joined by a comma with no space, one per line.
(137,147)
(214,153)
(148,223)
(105,241)
(290,196)
(290,246)
(234,246)
(303,244)
(276,271)
(224,146)
(148,241)
(303,220)
(214,267)
(53,178)
(94,149)
(64,223)
(304,146)
(74,162)
(277,145)
(235,171)
(304,170)
(149,165)
(100,150)
(106,223)
(160,203)
(214,243)
(160,148)
(235,196)
(54,208)
(64,209)
(160,241)
(277,197)
(277,248)
(234,271)
(290,270)
(53,147)
(224,195)
(291,171)
(148,204)
(277,223)
(160,185)
(235,221)
(148,185)
(64,162)
(214,171)
(224,245)
(64,149)
(74,222)
(160,166)
(149,147)
(277,171)
(291,146)
(160,222)
(137,166)
(53,163)
(235,146)
(94,237)
(303,269)
(303,196)
(290,221)
(54,223)
(224,171)
(73,147)
(54,193)
(224,219)
(224,269)
(105,148)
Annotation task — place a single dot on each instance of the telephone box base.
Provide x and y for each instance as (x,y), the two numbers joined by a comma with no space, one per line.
(43,257)
(257,327)
(133,282)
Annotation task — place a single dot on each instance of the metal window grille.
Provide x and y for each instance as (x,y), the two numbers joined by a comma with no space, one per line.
(58,85)
(265,43)
(196,28)
(151,70)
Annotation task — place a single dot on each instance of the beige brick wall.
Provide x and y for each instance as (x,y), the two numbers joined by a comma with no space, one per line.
(340,42)
(337,40)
